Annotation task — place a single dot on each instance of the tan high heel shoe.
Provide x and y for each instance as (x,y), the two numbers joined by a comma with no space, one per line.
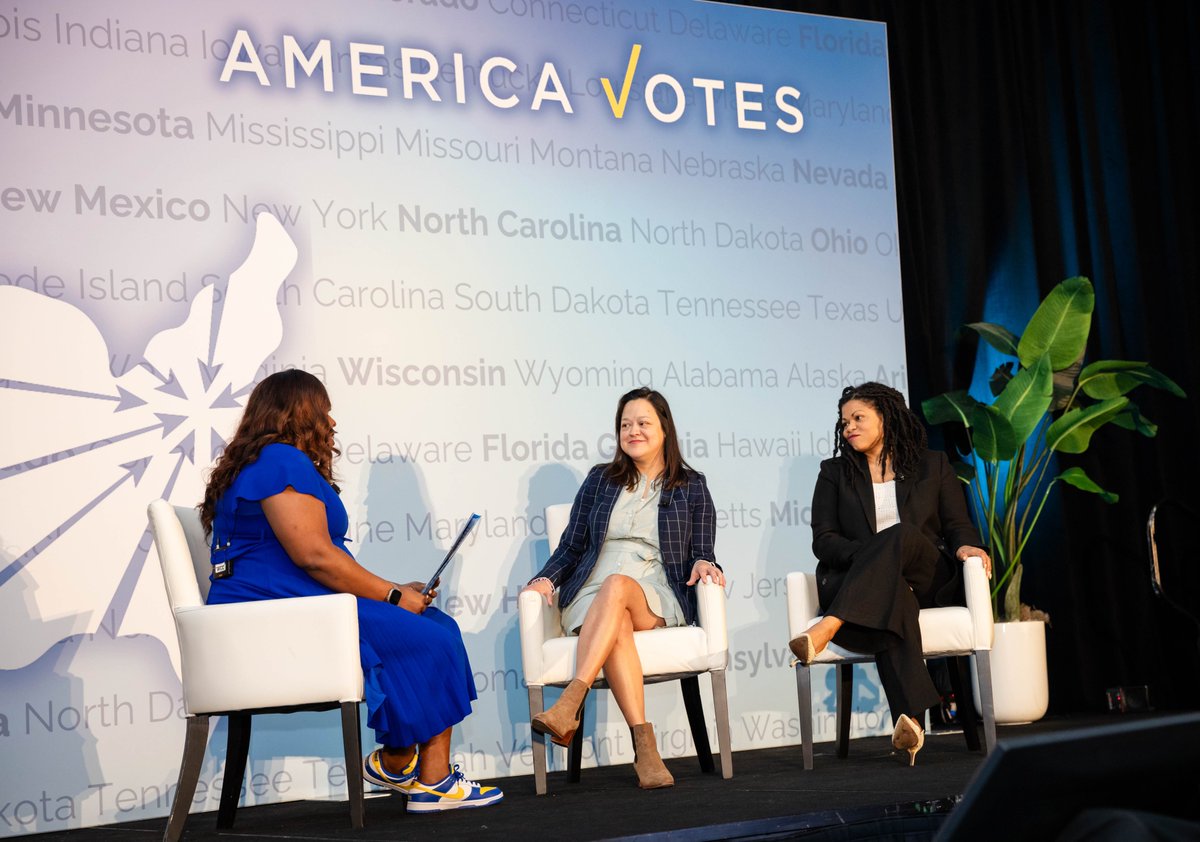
(561,721)
(804,648)
(804,645)
(909,737)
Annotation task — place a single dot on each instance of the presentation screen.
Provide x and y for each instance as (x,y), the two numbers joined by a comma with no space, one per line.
(478,222)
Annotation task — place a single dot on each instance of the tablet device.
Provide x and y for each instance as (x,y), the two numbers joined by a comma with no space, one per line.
(462,536)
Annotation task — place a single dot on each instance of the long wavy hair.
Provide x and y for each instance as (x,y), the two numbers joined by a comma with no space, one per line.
(622,468)
(289,407)
(904,439)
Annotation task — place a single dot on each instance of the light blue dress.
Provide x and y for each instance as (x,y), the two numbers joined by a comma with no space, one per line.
(631,548)
(417,679)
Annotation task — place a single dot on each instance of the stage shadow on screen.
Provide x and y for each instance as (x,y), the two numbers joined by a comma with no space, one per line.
(36,698)
(45,703)
(786,545)
(787,548)
(544,486)
(394,536)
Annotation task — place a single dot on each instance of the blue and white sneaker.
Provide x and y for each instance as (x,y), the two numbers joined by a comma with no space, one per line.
(453,792)
(374,772)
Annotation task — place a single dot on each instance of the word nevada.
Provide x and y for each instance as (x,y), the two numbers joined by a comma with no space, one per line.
(412,72)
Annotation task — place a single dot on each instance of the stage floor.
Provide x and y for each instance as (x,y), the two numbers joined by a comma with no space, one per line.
(769,796)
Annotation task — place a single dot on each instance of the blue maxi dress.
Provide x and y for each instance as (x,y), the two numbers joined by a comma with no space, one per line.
(417,677)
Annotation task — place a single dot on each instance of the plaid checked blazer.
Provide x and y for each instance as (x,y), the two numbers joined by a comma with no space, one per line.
(686,532)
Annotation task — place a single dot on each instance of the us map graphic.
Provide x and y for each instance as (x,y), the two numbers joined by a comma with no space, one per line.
(85,450)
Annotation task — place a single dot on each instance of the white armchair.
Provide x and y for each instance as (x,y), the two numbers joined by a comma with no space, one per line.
(682,653)
(950,631)
(271,656)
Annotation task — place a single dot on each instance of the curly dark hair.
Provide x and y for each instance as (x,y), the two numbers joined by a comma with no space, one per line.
(904,439)
(622,468)
(289,407)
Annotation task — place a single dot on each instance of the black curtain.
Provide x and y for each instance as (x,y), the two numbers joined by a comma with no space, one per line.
(1035,141)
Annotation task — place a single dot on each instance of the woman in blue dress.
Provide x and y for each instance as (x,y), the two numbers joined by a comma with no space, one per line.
(279,528)
(641,532)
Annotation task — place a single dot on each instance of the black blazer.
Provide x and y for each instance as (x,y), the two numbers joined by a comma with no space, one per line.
(843,512)
(686,533)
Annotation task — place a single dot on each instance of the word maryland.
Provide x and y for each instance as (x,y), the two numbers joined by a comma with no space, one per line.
(411,72)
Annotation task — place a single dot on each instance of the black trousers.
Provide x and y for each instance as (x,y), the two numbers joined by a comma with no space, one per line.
(892,576)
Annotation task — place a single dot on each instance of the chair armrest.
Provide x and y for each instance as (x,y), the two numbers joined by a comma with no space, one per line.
(270,653)
(171,544)
(979,601)
(710,608)
(538,622)
(803,604)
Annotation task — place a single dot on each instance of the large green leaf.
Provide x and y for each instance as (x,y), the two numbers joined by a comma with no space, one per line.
(1072,432)
(950,407)
(992,434)
(1060,325)
(1078,477)
(1113,378)
(1131,418)
(1027,397)
(1000,338)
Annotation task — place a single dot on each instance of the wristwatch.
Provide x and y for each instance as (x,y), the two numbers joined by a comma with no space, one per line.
(394,596)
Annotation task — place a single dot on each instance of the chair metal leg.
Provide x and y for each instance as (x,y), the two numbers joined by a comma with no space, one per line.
(721,709)
(690,685)
(194,742)
(236,749)
(536,706)
(352,747)
(575,752)
(845,707)
(965,705)
(983,668)
(804,697)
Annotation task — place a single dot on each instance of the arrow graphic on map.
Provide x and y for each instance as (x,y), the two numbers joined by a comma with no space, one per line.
(167,423)
(186,450)
(170,383)
(133,470)
(124,398)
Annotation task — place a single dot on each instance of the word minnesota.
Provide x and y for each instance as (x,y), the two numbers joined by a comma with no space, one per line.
(377,70)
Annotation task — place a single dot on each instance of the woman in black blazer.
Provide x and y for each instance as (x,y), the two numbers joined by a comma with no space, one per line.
(890,530)
(641,532)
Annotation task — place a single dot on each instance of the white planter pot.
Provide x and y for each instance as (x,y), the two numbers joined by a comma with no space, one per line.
(1020,690)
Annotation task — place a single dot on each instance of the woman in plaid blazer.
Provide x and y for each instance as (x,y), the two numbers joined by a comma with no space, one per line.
(641,532)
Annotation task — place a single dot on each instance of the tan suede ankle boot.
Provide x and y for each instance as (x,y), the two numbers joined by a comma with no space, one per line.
(561,721)
(651,772)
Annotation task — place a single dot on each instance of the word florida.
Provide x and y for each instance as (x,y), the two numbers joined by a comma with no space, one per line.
(498,79)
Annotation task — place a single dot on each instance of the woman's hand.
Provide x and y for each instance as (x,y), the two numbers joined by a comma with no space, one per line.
(706,571)
(965,552)
(433,592)
(411,598)
(543,586)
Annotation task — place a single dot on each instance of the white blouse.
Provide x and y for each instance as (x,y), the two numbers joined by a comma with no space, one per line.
(886,512)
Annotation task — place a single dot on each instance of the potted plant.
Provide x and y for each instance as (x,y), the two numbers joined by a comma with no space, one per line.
(1044,402)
